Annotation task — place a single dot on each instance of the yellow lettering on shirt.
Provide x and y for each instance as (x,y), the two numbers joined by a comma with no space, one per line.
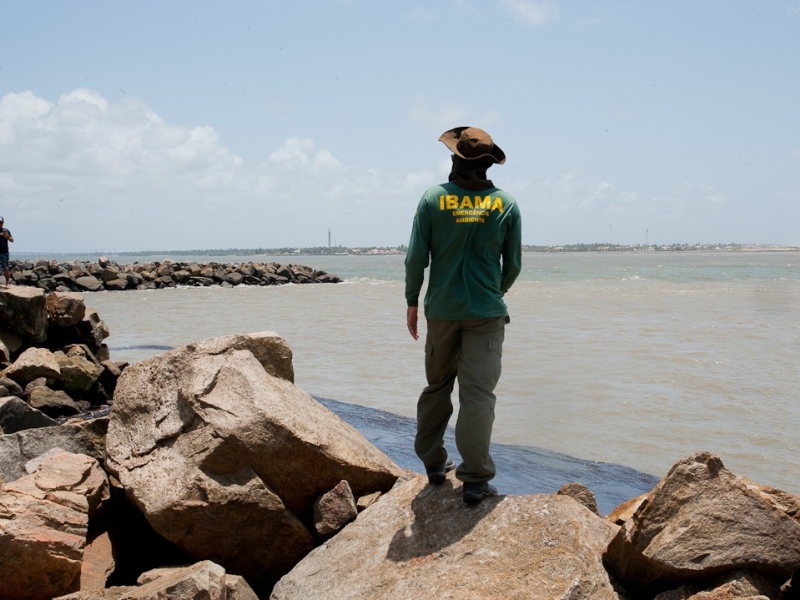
(451,202)
(441,202)
(485,202)
(497,204)
(466,202)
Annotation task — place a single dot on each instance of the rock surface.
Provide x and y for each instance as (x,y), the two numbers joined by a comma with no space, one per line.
(201,581)
(82,437)
(44,519)
(33,364)
(23,311)
(701,520)
(16,415)
(334,510)
(220,455)
(421,541)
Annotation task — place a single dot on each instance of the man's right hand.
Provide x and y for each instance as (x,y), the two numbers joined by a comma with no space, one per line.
(411,321)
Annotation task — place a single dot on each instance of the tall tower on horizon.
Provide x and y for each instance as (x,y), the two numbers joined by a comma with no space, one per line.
(329,238)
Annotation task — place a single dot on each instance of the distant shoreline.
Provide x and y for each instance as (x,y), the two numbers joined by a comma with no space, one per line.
(401,250)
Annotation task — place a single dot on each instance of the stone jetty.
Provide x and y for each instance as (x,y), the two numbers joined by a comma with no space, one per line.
(215,477)
(105,274)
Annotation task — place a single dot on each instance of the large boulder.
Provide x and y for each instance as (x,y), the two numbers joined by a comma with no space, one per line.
(225,460)
(80,437)
(422,541)
(701,521)
(44,519)
(23,310)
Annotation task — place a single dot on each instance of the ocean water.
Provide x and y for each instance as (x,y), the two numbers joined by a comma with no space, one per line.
(636,359)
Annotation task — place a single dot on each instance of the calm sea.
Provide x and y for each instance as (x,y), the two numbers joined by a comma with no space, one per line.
(633,358)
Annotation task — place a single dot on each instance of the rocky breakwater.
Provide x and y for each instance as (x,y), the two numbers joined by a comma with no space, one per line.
(87,276)
(53,361)
(218,478)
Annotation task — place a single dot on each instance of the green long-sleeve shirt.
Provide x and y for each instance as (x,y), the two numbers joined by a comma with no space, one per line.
(473,243)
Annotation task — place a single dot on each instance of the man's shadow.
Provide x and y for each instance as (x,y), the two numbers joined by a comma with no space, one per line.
(441,518)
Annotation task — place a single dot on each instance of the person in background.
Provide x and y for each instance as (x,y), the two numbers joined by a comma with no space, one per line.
(5,237)
(470,232)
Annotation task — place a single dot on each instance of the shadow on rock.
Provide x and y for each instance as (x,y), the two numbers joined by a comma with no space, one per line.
(441,519)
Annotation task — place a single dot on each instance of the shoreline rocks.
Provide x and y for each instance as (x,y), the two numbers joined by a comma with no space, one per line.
(105,274)
(216,477)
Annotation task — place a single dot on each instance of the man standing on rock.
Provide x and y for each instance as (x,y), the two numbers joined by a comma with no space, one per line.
(5,237)
(470,232)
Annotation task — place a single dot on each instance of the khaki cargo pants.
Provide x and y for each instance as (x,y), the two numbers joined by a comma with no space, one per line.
(471,351)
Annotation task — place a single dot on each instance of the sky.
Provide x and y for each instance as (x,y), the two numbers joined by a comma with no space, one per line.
(192,124)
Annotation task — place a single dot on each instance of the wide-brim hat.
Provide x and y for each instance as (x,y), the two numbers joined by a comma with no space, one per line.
(471,143)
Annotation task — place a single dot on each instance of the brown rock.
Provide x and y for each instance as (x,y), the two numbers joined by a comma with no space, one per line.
(32,364)
(701,520)
(93,329)
(365,502)
(54,403)
(43,523)
(23,311)
(270,349)
(220,455)
(421,541)
(581,493)
(98,563)
(65,308)
(625,511)
(334,510)
(739,585)
(78,374)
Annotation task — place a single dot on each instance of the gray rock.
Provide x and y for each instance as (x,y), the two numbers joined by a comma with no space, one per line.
(84,437)
(16,415)
(11,340)
(14,389)
(117,285)
(90,283)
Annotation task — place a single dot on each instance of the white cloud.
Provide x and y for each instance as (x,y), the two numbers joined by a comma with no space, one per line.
(532,13)
(85,174)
